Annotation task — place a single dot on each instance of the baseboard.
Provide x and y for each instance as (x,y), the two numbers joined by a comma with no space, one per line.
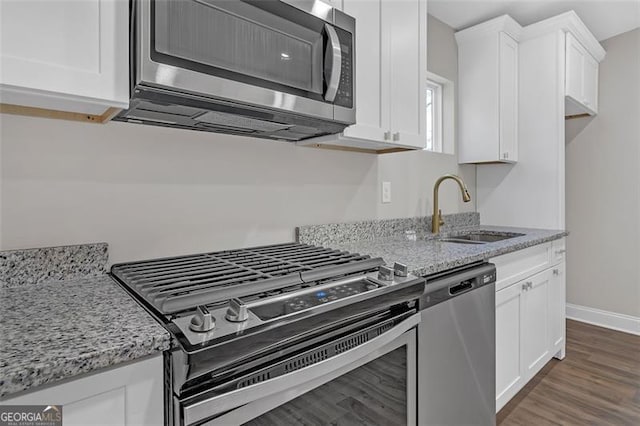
(612,320)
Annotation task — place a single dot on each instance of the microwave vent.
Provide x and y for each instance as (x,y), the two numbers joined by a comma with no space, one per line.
(238,121)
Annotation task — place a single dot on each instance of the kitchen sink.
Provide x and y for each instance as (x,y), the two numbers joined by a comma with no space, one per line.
(459,241)
(480,237)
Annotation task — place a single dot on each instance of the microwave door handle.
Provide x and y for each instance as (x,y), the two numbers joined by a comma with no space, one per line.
(335,53)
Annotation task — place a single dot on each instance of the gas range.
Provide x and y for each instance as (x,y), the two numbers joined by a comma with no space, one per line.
(236,314)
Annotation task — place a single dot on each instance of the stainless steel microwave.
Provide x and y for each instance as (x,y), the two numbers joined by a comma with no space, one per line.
(263,68)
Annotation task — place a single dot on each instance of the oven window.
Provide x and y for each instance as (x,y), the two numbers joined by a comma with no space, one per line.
(238,40)
(373,394)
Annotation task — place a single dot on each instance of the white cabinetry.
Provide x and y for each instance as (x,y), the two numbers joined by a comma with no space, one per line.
(508,341)
(130,395)
(581,79)
(390,80)
(535,322)
(530,315)
(558,303)
(488,92)
(404,29)
(64,55)
(531,192)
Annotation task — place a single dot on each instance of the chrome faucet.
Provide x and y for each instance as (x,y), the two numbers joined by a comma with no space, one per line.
(436,219)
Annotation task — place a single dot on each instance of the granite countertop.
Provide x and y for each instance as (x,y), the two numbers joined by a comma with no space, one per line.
(57,329)
(427,255)
(409,240)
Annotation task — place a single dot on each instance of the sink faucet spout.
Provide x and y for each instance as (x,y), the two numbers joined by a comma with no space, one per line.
(436,219)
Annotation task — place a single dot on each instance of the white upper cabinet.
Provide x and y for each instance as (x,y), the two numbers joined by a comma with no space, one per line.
(372,121)
(488,92)
(407,70)
(65,55)
(581,79)
(391,73)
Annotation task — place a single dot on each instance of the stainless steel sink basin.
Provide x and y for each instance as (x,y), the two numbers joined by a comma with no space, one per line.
(480,237)
(459,241)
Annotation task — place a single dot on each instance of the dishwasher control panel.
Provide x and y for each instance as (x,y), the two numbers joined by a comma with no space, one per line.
(447,285)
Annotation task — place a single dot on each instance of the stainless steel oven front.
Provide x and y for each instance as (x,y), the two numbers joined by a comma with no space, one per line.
(362,376)
(295,55)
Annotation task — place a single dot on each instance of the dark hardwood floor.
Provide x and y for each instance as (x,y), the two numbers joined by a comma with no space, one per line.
(598,383)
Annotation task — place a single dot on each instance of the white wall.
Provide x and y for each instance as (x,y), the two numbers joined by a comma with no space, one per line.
(151,191)
(412,174)
(603,188)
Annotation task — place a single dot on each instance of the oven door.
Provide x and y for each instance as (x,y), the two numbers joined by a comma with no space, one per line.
(370,383)
(266,53)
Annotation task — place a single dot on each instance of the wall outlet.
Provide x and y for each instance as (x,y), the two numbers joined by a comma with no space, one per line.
(386,192)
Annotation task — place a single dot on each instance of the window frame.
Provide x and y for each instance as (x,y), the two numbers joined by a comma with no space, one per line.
(437,89)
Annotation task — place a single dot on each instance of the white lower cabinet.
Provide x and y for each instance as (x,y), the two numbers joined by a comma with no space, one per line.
(508,342)
(536,323)
(530,318)
(129,395)
(558,303)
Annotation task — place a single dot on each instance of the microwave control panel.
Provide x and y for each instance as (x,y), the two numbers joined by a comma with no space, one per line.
(344,97)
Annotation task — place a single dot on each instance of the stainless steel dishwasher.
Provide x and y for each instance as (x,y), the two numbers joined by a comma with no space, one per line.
(456,348)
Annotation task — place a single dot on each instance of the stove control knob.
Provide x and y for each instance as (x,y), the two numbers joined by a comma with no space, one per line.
(385,273)
(237,311)
(202,321)
(400,269)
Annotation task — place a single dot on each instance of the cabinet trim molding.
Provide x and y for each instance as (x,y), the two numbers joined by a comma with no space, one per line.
(504,23)
(356,149)
(567,22)
(606,319)
(60,115)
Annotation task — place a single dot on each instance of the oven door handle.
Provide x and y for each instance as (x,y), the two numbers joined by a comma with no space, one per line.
(286,387)
(334,54)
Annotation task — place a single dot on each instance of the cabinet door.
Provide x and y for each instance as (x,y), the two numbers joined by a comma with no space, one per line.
(536,320)
(128,395)
(508,98)
(590,83)
(65,55)
(509,378)
(372,116)
(574,68)
(404,29)
(557,305)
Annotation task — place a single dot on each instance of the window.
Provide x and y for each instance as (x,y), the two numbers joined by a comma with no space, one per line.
(440,110)
(434,116)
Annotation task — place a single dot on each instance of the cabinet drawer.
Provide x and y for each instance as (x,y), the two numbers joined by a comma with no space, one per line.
(516,266)
(558,251)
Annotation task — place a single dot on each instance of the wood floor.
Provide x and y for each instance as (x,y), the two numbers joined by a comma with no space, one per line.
(598,383)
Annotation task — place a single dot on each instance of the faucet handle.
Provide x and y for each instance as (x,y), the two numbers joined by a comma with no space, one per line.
(440,217)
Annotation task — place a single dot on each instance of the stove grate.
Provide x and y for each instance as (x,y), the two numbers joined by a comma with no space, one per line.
(177,284)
